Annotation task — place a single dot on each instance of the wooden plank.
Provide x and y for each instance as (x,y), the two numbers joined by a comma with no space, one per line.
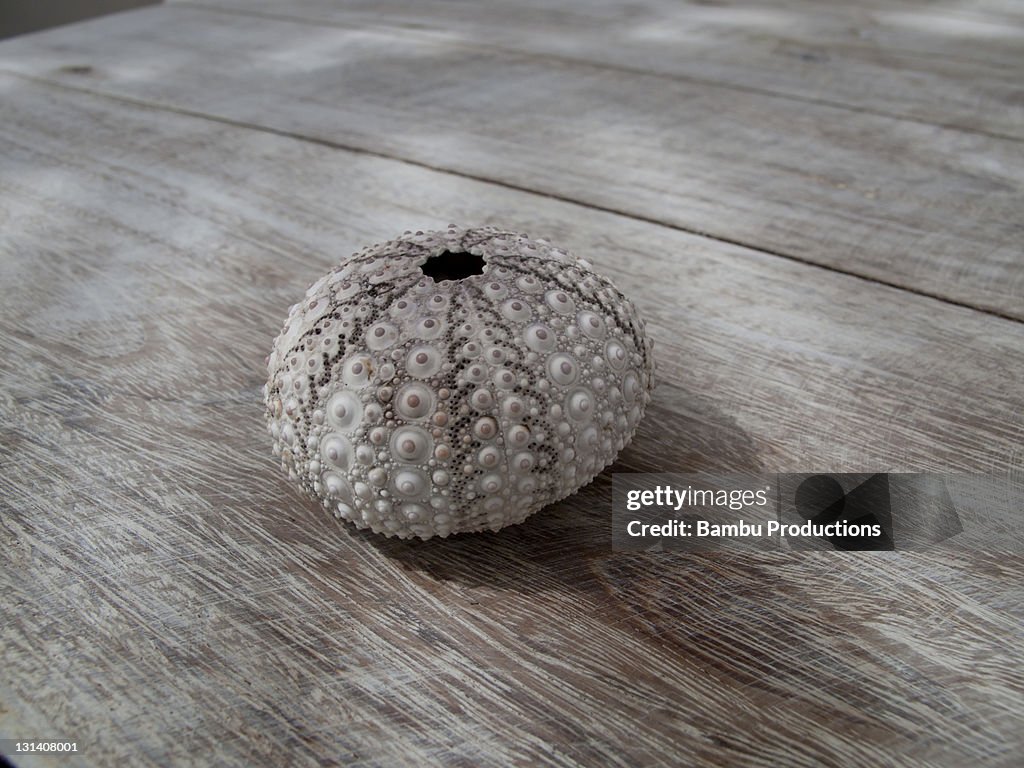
(931,63)
(931,209)
(170,599)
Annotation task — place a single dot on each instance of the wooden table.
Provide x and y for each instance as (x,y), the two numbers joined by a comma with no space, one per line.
(819,210)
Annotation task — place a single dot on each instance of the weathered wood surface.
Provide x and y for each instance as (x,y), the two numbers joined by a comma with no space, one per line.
(172,600)
(933,209)
(905,59)
(169,599)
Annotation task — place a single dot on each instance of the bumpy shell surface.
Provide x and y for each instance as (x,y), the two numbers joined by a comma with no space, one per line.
(422,408)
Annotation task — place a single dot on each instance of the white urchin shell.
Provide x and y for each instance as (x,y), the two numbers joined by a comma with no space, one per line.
(422,408)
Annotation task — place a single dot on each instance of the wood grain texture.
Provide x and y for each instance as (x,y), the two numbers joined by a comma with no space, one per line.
(170,600)
(937,63)
(932,209)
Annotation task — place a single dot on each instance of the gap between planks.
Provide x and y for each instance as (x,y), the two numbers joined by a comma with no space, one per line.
(335,145)
(932,209)
(431,36)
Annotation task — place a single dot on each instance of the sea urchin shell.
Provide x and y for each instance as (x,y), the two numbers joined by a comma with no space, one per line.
(454,381)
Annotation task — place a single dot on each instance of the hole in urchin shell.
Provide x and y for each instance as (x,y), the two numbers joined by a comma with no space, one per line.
(453,266)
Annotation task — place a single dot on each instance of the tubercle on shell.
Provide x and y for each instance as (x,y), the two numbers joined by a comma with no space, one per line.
(418,408)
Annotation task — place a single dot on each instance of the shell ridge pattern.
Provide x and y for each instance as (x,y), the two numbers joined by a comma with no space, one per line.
(603,301)
(418,408)
(357,325)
